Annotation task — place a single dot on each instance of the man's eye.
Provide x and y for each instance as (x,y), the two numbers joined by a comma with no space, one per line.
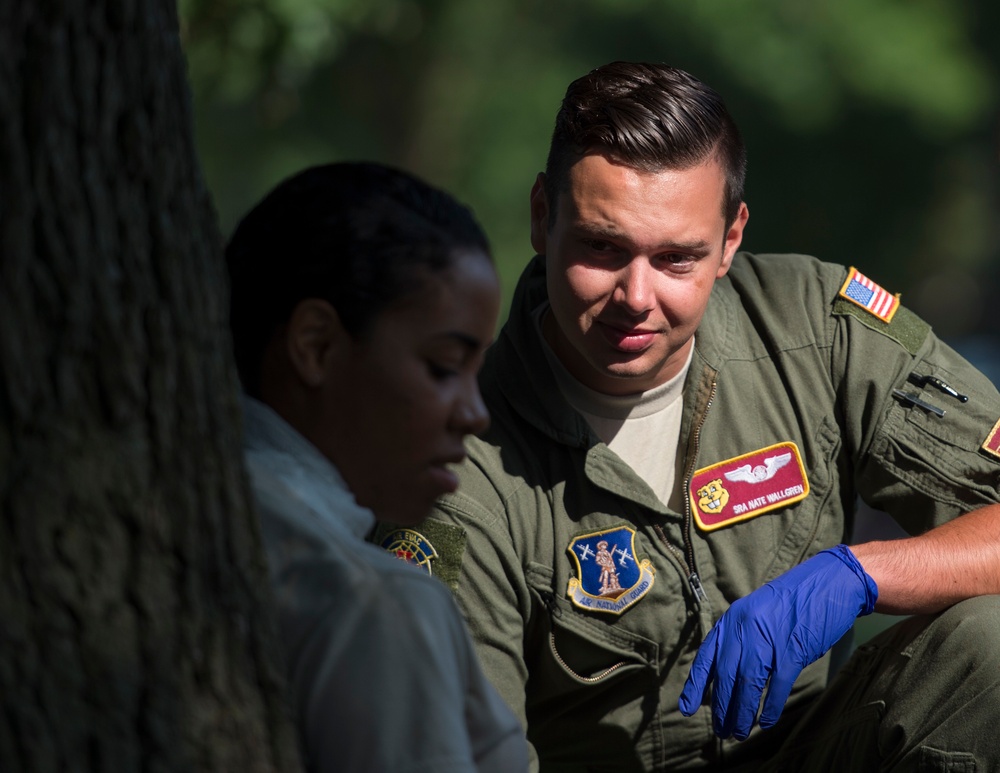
(677,259)
(598,245)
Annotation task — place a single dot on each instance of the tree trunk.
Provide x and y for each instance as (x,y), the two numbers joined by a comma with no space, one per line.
(134,630)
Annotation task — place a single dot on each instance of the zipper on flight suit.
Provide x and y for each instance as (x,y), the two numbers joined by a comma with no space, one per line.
(549,600)
(687,559)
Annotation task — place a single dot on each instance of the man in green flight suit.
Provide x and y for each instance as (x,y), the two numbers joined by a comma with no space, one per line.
(649,541)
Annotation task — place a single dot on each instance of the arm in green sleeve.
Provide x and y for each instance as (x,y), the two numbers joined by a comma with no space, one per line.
(492,592)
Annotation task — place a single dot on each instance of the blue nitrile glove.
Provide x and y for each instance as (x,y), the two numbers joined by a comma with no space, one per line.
(775,632)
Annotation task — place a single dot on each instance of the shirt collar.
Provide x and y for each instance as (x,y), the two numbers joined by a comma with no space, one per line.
(275,449)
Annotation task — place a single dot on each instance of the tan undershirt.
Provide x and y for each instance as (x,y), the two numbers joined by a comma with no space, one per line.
(643,429)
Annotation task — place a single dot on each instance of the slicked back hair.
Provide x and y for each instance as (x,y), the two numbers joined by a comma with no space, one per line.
(357,235)
(650,117)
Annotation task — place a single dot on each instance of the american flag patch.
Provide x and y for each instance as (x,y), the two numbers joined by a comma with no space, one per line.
(861,290)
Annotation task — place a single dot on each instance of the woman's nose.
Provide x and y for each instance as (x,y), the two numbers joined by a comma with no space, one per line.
(471,414)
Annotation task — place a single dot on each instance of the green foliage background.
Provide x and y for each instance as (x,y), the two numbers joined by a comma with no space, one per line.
(871,124)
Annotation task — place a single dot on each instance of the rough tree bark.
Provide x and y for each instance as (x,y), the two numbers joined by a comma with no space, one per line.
(134,634)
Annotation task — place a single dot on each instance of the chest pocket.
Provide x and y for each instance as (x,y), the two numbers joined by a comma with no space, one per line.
(752,552)
(818,521)
(575,652)
(588,677)
(588,654)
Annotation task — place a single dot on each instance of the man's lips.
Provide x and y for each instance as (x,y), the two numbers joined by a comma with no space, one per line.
(627,340)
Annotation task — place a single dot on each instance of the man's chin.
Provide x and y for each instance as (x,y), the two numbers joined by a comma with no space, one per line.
(646,370)
(628,377)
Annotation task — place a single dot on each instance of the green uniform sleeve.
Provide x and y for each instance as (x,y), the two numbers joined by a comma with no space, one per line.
(918,447)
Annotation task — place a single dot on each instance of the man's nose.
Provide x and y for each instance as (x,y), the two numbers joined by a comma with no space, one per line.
(634,290)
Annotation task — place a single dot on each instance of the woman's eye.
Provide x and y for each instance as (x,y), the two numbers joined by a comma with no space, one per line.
(440,372)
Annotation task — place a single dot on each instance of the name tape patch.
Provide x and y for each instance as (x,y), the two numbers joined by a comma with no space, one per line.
(747,486)
(862,291)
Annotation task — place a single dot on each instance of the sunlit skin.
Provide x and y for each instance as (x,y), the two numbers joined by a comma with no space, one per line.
(391,409)
(631,260)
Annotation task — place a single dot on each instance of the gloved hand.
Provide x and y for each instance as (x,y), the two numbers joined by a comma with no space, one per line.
(775,632)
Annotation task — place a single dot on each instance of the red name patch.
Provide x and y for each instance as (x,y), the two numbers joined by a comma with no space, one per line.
(748,485)
(992,443)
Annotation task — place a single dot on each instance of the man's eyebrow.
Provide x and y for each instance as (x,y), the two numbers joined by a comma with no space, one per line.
(698,245)
(607,232)
(598,231)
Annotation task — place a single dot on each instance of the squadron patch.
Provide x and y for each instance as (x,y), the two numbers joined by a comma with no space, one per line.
(412,547)
(863,292)
(992,443)
(747,486)
(609,577)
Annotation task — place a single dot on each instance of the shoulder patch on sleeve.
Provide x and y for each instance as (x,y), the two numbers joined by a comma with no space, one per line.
(992,443)
(434,546)
(866,295)
(879,310)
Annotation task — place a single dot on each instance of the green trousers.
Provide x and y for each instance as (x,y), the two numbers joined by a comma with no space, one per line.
(922,696)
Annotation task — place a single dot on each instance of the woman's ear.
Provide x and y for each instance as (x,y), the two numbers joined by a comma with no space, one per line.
(314,338)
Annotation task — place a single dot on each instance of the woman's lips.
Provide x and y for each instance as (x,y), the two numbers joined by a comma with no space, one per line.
(444,477)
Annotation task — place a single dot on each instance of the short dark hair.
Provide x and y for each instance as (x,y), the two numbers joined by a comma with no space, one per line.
(650,117)
(358,235)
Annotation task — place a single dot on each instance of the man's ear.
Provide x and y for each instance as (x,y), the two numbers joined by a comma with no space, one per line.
(734,236)
(315,336)
(539,215)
